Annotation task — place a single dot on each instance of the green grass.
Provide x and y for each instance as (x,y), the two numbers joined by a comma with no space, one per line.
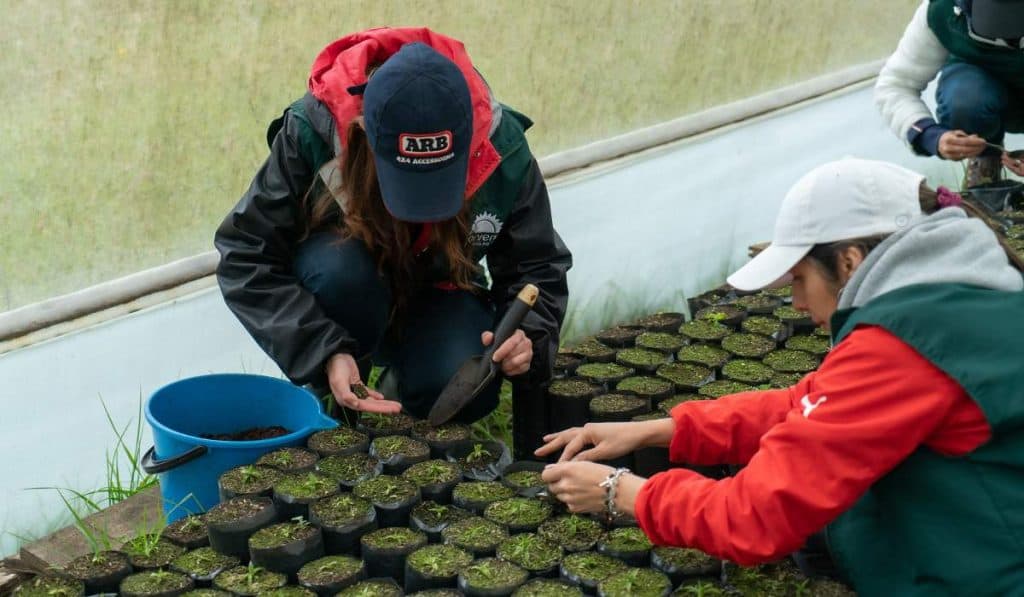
(131,129)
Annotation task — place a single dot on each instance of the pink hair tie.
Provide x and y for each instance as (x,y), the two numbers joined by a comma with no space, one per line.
(947,198)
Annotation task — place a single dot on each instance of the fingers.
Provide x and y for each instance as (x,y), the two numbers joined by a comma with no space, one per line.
(594,454)
(573,448)
(486,338)
(957,145)
(387,407)
(509,346)
(555,441)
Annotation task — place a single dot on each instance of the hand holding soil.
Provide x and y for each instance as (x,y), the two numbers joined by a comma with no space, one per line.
(609,440)
(957,145)
(578,486)
(343,374)
(514,355)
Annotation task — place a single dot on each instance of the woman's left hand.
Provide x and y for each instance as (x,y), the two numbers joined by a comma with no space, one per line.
(514,355)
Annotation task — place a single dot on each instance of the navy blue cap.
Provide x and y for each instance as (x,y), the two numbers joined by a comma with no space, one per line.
(419,122)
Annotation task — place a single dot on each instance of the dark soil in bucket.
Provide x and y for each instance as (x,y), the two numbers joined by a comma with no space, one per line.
(435,567)
(572,532)
(289,460)
(749,346)
(475,496)
(758,304)
(593,351)
(441,438)
(628,544)
(50,586)
(569,402)
(785,380)
(548,587)
(566,364)
(343,519)
(435,478)
(479,460)
(617,407)
(586,569)
(816,345)
(662,342)
(641,359)
(666,406)
(287,546)
(717,389)
(620,336)
(681,563)
(293,493)
(374,587)
(392,497)
(791,361)
(101,572)
(653,389)
(726,315)
(231,523)
(707,355)
(491,577)
(638,582)
(661,322)
(340,440)
(524,478)
(701,330)
(248,435)
(249,580)
(432,518)
(249,480)
(532,553)
(202,564)
(476,535)
(686,377)
(518,515)
(603,374)
(188,532)
(398,452)
(151,551)
(386,549)
(328,575)
(378,424)
(747,371)
(765,326)
(162,583)
(350,470)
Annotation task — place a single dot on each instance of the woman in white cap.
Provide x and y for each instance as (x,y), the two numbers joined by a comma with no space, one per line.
(906,446)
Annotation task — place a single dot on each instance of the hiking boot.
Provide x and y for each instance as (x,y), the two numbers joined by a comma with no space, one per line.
(983,169)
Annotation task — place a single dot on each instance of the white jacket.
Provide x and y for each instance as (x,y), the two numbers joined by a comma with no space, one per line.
(917,60)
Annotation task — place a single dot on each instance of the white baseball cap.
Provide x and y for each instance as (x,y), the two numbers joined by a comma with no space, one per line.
(841,200)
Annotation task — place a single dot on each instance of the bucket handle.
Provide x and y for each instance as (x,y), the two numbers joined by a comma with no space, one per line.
(152,465)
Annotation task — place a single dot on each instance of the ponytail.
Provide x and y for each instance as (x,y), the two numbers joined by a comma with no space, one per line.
(933,201)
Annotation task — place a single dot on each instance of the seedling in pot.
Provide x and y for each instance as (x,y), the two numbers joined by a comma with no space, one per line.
(547,587)
(593,351)
(791,361)
(398,452)
(518,514)
(531,552)
(476,535)
(686,376)
(377,424)
(661,342)
(785,380)
(287,546)
(392,497)
(750,346)
(680,563)
(620,336)
(434,566)
(491,576)
(661,322)
(588,568)
(765,326)
(435,478)
(481,461)
(149,551)
(343,519)
(604,373)
(524,477)
(340,440)
(202,564)
(701,587)
(50,586)
(725,387)
(746,371)
(628,544)
(709,356)
(431,518)
(249,480)
(702,330)
(570,399)
(477,495)
(618,407)
(758,304)
(666,406)
(206,593)
(641,359)
(566,364)
(374,587)
(155,582)
(637,582)
(188,532)
(100,571)
(385,550)
(289,591)
(724,314)
(572,532)
(289,460)
(249,580)
(231,523)
(328,575)
(797,319)
(349,470)
(440,438)
(816,345)
(293,493)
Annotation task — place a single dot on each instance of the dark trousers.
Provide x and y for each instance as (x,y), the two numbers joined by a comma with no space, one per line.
(439,331)
(970,99)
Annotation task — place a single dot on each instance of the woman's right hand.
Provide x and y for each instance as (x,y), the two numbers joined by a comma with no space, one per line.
(342,373)
(609,440)
(957,145)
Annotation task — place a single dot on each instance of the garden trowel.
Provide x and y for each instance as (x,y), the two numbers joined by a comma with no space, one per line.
(474,375)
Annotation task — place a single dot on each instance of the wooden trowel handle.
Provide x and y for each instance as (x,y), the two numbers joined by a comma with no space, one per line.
(513,317)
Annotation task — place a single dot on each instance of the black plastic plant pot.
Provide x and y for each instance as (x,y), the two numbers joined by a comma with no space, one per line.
(350,470)
(248,481)
(480,460)
(188,532)
(151,552)
(435,567)
(524,478)
(663,342)
(392,497)
(343,519)
(398,452)
(650,461)
(376,424)
(706,299)
(686,377)
(785,380)
(435,478)
(386,549)
(666,406)
(532,553)
(747,371)
(440,438)
(100,572)
(338,442)
(431,518)
(620,336)
(289,460)
(724,387)
(476,496)
(206,592)
(652,389)
(476,535)
(293,493)
(785,293)
(203,564)
(726,315)
(50,585)
(289,591)
(604,375)
(249,580)
(547,587)
(618,407)
(748,346)
(592,351)
(814,344)
(681,563)
(491,577)
(519,515)
(373,587)
(586,569)
(637,582)
(231,523)
(758,304)
(447,592)
(791,361)
(701,330)
(572,532)
(667,322)
(328,575)
(643,360)
(799,321)
(766,326)
(566,364)
(155,583)
(286,547)
(628,544)
(706,355)
(569,402)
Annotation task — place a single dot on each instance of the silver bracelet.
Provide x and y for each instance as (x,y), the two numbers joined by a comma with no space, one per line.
(611,488)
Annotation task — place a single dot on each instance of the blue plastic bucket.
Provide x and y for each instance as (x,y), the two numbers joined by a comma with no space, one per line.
(181,413)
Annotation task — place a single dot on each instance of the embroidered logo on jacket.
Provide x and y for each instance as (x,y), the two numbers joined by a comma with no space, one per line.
(485,229)
(809,406)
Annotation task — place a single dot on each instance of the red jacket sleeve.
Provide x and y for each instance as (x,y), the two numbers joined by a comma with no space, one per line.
(873,402)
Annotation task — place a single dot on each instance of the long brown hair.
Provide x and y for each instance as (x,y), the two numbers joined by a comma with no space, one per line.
(390,241)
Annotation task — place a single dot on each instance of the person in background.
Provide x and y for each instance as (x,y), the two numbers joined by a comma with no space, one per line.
(906,446)
(976,48)
(359,240)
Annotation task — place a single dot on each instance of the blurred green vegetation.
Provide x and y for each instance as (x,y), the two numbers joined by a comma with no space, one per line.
(131,128)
